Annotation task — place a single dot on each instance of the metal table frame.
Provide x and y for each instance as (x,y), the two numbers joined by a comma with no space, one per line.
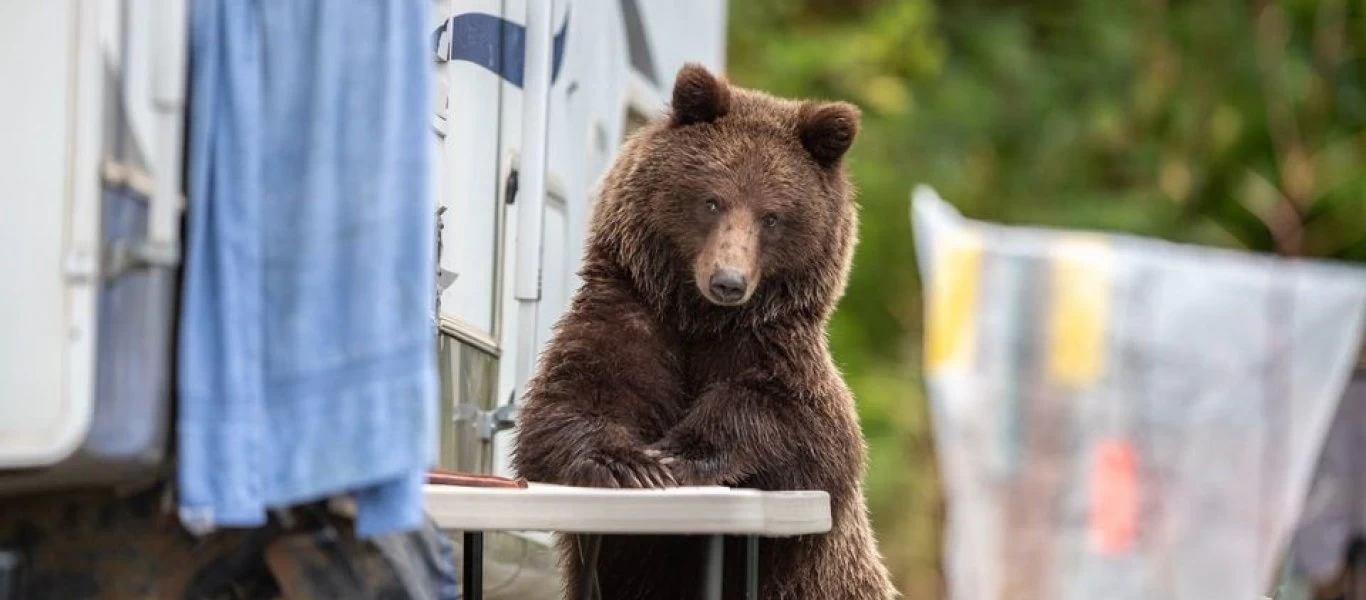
(593,512)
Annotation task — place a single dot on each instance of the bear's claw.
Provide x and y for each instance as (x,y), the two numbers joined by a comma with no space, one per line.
(628,470)
(681,471)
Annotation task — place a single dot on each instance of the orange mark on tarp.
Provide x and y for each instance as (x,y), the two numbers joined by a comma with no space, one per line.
(1114,497)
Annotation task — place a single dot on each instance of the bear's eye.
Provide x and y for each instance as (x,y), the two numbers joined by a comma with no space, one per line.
(770,221)
(713,206)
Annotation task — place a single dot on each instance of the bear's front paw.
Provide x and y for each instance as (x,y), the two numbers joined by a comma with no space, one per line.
(684,471)
(626,469)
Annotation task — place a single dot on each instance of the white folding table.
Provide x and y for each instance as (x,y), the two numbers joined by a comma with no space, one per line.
(717,511)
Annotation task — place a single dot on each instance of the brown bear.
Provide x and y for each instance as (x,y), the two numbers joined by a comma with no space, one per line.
(695,351)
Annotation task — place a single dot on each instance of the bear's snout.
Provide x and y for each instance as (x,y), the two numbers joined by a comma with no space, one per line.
(728,286)
(727,265)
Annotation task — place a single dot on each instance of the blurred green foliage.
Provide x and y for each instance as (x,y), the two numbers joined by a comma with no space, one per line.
(1220,122)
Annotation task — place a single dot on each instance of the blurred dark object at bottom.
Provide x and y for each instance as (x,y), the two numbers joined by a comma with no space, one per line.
(74,546)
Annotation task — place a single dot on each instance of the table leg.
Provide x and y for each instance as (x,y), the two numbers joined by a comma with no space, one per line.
(752,567)
(713,582)
(474,566)
(589,548)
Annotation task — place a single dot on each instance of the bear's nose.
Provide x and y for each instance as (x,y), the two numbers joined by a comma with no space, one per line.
(728,286)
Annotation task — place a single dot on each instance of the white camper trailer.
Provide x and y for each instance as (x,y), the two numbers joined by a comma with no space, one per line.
(613,63)
(94,102)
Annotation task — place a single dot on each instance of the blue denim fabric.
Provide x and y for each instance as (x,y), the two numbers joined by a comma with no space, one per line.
(449,584)
(306,353)
(132,415)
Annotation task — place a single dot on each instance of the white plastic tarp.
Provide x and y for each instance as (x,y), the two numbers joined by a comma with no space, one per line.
(1123,418)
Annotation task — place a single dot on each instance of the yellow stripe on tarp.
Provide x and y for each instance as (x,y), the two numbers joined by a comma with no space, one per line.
(953,297)
(1079,313)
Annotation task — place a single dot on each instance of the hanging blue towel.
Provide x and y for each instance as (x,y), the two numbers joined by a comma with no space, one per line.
(307,350)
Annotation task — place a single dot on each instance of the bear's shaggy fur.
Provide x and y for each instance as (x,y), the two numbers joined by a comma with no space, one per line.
(695,351)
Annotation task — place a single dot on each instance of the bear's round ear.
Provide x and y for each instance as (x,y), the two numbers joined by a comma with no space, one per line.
(827,130)
(699,96)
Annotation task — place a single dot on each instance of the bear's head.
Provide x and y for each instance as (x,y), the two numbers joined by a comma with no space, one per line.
(735,204)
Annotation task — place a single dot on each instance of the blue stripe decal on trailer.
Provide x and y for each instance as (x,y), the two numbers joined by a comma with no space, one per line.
(496,44)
